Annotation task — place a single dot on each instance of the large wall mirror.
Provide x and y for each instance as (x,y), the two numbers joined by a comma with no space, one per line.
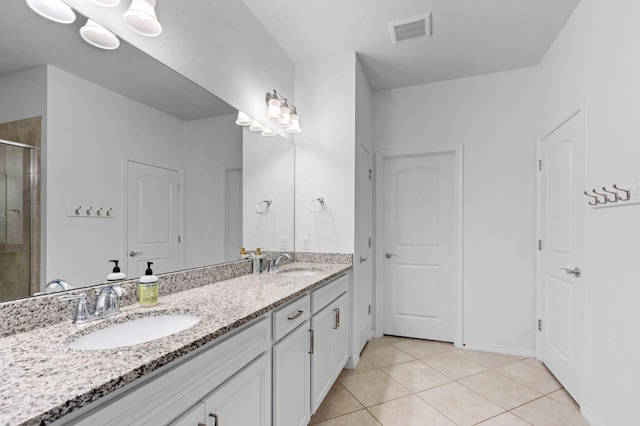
(136,163)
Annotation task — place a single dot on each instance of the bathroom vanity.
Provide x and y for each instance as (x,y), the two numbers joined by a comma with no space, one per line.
(266,351)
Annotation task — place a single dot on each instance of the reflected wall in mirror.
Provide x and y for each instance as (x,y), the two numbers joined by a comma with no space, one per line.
(157,156)
(268,192)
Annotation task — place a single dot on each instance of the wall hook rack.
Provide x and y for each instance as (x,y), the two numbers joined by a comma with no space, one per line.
(614,197)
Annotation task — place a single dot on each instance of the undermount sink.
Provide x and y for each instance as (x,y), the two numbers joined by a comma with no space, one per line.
(299,272)
(135,331)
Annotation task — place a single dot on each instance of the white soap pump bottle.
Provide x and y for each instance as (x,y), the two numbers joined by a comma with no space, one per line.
(116,275)
(148,288)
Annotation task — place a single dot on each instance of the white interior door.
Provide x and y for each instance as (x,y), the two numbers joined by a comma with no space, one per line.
(234,213)
(363,262)
(153,218)
(562,255)
(418,241)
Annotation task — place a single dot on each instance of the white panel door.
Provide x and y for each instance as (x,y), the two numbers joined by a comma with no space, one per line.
(153,219)
(234,214)
(362,293)
(562,286)
(418,239)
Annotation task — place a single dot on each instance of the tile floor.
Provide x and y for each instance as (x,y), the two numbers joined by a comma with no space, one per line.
(408,382)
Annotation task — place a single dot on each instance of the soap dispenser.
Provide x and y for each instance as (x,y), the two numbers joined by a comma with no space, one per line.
(257,261)
(148,288)
(116,275)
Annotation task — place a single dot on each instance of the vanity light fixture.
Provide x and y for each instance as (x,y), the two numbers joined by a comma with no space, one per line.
(274,111)
(294,125)
(268,132)
(283,112)
(286,115)
(106,3)
(243,119)
(98,36)
(141,18)
(256,126)
(54,10)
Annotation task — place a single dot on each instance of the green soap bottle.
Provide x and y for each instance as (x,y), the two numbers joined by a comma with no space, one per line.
(148,288)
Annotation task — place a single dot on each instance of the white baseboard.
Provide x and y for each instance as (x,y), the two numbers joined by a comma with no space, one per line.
(591,417)
(500,349)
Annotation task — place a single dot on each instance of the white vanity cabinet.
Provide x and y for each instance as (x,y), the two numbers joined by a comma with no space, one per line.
(244,400)
(329,348)
(291,364)
(238,365)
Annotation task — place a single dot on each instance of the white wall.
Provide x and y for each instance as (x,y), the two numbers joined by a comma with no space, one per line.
(493,116)
(325,152)
(23,95)
(92,132)
(219,45)
(595,56)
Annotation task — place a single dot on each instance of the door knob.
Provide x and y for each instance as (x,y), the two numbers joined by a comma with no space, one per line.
(575,271)
(389,255)
(363,259)
(133,253)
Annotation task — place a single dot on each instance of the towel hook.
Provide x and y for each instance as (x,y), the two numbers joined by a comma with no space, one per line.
(616,197)
(263,206)
(595,199)
(598,199)
(623,190)
(320,201)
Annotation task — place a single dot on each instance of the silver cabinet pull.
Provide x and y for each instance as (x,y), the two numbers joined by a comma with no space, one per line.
(296,315)
(338,317)
(311,345)
(133,253)
(336,322)
(215,416)
(389,255)
(575,271)
(363,259)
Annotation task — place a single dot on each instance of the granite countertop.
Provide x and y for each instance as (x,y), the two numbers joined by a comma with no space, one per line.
(43,379)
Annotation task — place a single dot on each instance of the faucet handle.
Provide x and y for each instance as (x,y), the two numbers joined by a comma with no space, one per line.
(82,313)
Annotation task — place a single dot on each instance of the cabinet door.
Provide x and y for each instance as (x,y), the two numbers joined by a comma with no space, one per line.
(291,377)
(321,369)
(194,417)
(339,347)
(243,400)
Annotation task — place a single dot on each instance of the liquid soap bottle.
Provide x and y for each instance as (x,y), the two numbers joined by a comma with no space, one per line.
(148,288)
(116,275)
(257,261)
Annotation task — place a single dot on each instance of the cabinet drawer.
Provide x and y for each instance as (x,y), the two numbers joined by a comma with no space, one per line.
(290,316)
(324,295)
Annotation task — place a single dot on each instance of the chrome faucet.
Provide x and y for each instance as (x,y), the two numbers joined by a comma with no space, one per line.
(274,265)
(107,301)
(106,304)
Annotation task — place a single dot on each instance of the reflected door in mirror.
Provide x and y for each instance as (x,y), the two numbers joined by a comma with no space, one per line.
(153,219)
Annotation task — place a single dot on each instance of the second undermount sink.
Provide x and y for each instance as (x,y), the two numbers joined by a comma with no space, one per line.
(299,272)
(135,331)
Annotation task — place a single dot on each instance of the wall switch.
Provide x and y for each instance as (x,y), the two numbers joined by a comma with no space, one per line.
(283,243)
(306,243)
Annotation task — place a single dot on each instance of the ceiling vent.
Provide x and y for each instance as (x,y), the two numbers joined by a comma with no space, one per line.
(412,28)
